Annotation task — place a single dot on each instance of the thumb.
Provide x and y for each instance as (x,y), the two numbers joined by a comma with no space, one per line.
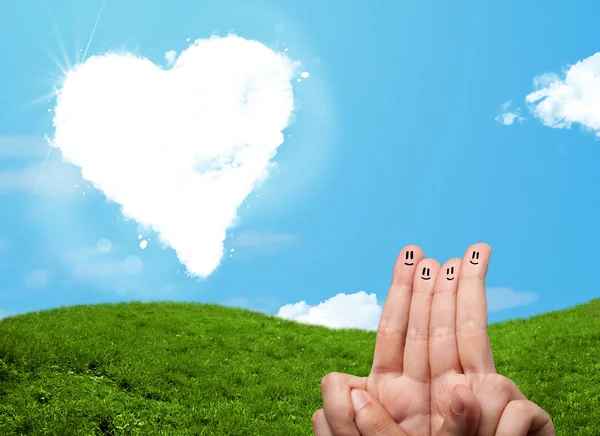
(462,418)
(370,416)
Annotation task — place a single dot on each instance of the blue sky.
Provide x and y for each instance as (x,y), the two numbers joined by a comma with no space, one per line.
(402,134)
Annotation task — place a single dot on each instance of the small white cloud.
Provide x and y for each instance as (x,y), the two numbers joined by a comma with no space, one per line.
(170,57)
(181,149)
(506,298)
(359,310)
(36,279)
(509,117)
(559,103)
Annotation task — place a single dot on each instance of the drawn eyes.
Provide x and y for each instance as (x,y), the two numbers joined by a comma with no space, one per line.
(449,272)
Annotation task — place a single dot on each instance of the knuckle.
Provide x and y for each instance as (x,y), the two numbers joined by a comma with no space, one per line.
(502,386)
(521,407)
(386,328)
(332,379)
(469,326)
(442,330)
(417,334)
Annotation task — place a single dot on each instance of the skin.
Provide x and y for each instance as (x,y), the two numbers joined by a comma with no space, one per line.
(432,346)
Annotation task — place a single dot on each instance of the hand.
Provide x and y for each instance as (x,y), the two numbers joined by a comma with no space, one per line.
(448,329)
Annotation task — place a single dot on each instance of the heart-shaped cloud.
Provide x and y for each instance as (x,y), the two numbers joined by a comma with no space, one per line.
(178,149)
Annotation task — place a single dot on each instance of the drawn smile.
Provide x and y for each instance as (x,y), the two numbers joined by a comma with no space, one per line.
(410,255)
(426,274)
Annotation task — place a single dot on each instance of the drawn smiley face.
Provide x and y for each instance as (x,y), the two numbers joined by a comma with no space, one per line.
(450,273)
(426,273)
(475,258)
(410,255)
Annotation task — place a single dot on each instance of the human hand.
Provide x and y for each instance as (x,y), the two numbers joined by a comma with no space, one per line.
(505,410)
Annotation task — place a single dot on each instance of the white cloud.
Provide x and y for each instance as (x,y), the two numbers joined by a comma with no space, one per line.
(509,117)
(357,310)
(360,310)
(37,278)
(506,298)
(559,103)
(179,149)
(170,57)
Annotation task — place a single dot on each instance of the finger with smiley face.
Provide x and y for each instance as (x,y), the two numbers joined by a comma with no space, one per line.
(416,351)
(471,311)
(389,345)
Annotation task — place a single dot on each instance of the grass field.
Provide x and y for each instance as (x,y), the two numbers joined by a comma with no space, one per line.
(195,369)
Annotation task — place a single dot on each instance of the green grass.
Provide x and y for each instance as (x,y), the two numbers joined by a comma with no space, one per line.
(195,369)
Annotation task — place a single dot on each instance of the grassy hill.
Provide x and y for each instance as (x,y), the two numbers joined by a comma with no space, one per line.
(195,369)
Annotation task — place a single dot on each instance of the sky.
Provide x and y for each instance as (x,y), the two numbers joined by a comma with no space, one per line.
(277,155)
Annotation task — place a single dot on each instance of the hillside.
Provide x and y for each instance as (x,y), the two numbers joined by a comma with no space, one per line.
(196,369)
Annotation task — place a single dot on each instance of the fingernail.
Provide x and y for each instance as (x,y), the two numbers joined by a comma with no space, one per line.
(359,399)
(457,405)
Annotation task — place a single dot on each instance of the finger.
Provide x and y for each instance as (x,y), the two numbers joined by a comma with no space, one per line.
(495,392)
(462,419)
(416,352)
(443,348)
(371,418)
(337,405)
(474,347)
(319,423)
(391,333)
(525,418)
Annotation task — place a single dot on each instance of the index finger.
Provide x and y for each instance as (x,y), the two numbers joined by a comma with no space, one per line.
(391,333)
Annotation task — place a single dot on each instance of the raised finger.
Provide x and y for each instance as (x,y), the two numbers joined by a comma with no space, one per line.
(443,348)
(474,347)
(337,404)
(525,418)
(391,333)
(416,350)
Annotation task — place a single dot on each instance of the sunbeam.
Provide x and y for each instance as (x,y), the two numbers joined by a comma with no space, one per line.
(37,183)
(93,30)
